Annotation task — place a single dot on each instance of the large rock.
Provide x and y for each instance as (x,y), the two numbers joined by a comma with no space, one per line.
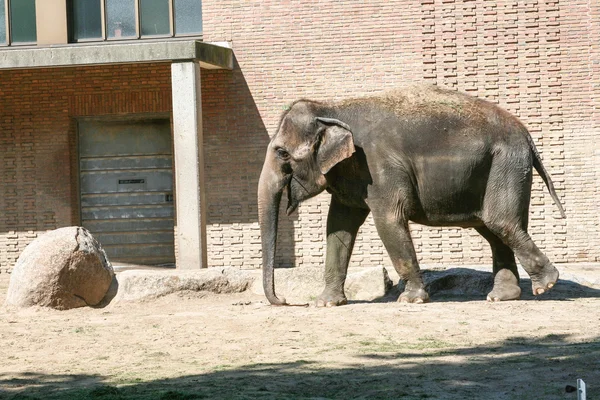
(305,284)
(62,269)
(135,285)
(442,281)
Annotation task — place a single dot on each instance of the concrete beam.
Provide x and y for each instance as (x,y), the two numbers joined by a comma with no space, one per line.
(190,199)
(209,56)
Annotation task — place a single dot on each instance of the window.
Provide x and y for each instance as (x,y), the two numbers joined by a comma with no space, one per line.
(186,17)
(93,20)
(155,18)
(17,22)
(86,24)
(3,40)
(120,19)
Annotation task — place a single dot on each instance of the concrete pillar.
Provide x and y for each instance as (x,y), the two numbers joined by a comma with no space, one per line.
(189,165)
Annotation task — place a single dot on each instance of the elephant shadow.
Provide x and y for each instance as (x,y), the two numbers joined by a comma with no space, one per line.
(465,284)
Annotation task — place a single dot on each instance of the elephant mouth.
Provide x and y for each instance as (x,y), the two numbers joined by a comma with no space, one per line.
(292,202)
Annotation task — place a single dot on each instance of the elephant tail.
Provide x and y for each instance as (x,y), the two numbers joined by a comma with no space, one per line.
(539,167)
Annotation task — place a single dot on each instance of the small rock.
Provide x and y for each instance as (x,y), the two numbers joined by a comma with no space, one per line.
(62,269)
(369,284)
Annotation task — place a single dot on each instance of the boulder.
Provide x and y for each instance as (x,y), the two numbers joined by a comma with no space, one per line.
(62,269)
(458,281)
(305,284)
(455,282)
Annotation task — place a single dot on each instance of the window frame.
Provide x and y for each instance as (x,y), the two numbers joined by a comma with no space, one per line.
(138,25)
(9,36)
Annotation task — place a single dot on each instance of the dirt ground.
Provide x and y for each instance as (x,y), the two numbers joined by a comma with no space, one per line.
(198,345)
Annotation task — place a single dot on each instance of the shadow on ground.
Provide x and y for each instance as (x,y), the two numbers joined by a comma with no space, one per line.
(518,368)
(465,284)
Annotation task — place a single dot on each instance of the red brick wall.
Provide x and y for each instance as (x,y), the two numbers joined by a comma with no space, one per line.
(38,159)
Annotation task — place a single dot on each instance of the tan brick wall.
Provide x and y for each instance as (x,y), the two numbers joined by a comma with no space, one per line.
(538,59)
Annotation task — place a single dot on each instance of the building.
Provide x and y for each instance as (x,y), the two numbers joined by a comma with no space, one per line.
(98,97)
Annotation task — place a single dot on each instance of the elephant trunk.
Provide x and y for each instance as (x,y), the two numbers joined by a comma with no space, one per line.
(270,189)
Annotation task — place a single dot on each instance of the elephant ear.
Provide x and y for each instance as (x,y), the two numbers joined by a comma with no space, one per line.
(336,144)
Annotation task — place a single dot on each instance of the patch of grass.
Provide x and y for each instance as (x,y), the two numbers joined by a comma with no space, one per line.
(222,367)
(429,343)
(425,343)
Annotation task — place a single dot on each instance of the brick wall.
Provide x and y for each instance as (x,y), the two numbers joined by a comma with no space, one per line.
(38,153)
(538,59)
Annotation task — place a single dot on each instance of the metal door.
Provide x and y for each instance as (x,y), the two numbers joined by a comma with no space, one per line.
(126,183)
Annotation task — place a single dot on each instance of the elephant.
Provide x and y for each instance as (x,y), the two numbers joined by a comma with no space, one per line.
(421,153)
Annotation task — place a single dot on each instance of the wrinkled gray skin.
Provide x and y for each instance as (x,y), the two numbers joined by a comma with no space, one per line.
(422,154)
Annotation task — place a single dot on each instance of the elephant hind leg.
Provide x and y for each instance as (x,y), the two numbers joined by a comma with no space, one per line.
(542,272)
(505,212)
(506,276)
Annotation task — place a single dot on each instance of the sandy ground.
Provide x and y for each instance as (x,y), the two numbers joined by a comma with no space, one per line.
(198,345)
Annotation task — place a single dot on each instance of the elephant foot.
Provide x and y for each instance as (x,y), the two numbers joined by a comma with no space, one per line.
(327,299)
(414,296)
(506,287)
(545,280)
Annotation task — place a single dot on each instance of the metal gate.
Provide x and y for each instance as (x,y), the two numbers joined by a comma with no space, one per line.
(126,184)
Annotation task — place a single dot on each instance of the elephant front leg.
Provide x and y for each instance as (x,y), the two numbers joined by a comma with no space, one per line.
(343,223)
(398,243)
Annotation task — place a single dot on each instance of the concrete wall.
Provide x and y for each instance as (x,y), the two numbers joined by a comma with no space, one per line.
(538,59)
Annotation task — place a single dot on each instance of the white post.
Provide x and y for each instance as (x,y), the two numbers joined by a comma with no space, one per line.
(581,390)
(189,165)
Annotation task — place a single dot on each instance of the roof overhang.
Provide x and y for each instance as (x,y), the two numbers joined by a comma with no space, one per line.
(208,55)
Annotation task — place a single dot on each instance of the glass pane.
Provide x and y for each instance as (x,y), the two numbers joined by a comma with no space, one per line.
(120,18)
(188,16)
(22,21)
(2,23)
(155,17)
(87,21)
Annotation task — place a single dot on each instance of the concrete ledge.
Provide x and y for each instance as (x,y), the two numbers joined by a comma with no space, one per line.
(305,284)
(301,285)
(136,285)
(210,56)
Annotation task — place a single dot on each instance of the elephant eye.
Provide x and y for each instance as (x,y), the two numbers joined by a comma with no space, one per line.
(283,154)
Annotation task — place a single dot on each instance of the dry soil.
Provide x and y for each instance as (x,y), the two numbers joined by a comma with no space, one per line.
(198,345)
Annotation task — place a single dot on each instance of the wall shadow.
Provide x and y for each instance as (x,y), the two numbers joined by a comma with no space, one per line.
(516,368)
(235,142)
